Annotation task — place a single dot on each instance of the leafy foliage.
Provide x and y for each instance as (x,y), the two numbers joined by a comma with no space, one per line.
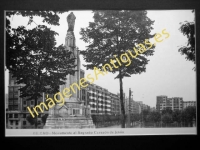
(113,33)
(35,61)
(190,114)
(188,29)
(33,58)
(155,116)
(176,116)
(166,118)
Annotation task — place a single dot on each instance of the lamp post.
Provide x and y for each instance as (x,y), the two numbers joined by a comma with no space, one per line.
(128,119)
(86,100)
(86,103)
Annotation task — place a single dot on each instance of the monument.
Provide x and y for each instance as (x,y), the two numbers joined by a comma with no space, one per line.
(73,114)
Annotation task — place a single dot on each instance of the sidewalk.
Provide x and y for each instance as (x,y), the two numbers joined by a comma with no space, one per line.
(119,126)
(116,126)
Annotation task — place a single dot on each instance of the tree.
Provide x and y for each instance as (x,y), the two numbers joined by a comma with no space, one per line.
(110,36)
(50,17)
(167,111)
(155,117)
(35,61)
(167,118)
(145,114)
(188,29)
(190,114)
(134,118)
(176,116)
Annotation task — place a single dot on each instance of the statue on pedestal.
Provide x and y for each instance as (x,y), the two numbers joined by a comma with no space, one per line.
(71,21)
(71,114)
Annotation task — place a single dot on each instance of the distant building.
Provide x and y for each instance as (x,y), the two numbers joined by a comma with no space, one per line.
(146,107)
(174,103)
(159,101)
(152,109)
(136,107)
(189,103)
(129,105)
(115,104)
(100,100)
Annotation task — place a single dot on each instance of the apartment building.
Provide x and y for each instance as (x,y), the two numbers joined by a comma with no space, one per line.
(115,104)
(99,99)
(159,101)
(174,103)
(189,103)
(17,108)
(136,107)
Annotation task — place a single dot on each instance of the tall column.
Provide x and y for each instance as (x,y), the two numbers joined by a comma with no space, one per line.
(70,44)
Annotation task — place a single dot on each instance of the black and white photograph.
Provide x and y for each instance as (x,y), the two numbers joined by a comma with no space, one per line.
(100,72)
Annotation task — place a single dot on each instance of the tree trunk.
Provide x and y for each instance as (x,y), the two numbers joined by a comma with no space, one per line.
(121,100)
(35,114)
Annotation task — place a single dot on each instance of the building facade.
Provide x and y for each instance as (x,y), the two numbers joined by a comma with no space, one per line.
(115,104)
(174,103)
(17,112)
(159,101)
(136,107)
(99,100)
(189,103)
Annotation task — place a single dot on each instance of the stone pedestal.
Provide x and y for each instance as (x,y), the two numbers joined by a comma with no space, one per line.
(70,116)
(69,122)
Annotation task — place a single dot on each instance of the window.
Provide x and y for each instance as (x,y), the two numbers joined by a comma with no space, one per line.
(24,122)
(15,95)
(10,102)
(11,122)
(10,89)
(24,115)
(10,107)
(16,122)
(16,89)
(24,102)
(10,115)
(24,108)
(15,107)
(76,111)
(32,103)
(15,102)
(10,95)
(15,115)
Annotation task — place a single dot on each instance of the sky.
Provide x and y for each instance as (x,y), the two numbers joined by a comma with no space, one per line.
(167,73)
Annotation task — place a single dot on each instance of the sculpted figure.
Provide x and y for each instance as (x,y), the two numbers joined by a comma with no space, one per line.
(71,21)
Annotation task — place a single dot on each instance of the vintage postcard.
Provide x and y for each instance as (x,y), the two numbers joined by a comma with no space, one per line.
(100,73)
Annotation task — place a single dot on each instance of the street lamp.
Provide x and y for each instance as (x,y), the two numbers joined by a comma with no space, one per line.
(86,100)
(86,103)
(128,119)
